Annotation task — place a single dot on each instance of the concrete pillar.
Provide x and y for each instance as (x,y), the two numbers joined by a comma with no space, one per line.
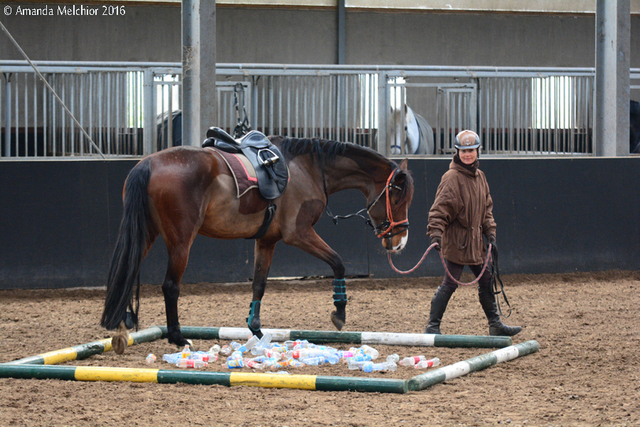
(342,22)
(612,78)
(199,100)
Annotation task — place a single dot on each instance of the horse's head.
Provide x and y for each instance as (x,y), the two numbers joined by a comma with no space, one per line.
(389,209)
(406,134)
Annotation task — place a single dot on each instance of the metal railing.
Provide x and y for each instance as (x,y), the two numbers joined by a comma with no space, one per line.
(134,109)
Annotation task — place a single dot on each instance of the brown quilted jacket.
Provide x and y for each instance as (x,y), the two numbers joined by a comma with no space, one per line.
(461,214)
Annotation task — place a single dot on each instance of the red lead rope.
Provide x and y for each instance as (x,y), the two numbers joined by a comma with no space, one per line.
(484,267)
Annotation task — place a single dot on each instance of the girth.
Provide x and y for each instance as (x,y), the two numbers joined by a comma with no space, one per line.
(271,170)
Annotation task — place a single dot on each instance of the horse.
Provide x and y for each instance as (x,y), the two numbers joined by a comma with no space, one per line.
(183,191)
(418,133)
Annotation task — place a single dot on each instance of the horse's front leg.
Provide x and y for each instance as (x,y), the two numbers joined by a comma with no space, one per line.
(262,264)
(309,241)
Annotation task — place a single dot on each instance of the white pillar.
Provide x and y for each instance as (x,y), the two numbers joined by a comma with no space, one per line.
(199,101)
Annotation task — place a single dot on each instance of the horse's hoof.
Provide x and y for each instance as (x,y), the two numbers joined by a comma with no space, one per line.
(337,322)
(119,343)
(181,342)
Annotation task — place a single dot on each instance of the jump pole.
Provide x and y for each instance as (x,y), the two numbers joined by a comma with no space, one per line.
(229,379)
(478,363)
(83,351)
(323,337)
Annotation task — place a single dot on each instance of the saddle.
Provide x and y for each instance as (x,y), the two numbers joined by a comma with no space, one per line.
(271,170)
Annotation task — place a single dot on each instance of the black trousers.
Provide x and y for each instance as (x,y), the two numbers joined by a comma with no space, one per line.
(456,271)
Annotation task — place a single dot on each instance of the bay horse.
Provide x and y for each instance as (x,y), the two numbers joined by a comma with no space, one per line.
(184,191)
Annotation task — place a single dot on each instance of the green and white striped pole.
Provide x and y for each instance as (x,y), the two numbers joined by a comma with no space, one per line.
(420,382)
(323,337)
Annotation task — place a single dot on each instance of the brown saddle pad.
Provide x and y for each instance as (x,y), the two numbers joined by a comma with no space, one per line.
(243,172)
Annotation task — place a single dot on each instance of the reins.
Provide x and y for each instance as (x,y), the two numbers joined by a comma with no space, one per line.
(497,287)
(383,230)
(447,272)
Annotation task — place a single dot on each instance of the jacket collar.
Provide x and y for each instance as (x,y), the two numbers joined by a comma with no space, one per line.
(470,170)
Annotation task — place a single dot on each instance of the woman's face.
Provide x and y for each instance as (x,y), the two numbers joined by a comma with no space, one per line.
(468,156)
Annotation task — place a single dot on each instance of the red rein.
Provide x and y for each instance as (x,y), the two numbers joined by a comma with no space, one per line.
(484,267)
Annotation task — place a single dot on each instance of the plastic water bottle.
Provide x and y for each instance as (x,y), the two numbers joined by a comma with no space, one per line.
(345,354)
(226,350)
(191,363)
(273,353)
(205,357)
(423,364)
(393,358)
(410,361)
(360,357)
(235,363)
(253,365)
(215,349)
(172,358)
(370,351)
(234,356)
(355,365)
(384,366)
(248,345)
(313,361)
(331,358)
(294,363)
(262,345)
(186,352)
(150,358)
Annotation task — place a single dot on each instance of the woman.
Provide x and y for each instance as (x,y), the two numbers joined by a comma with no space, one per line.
(459,218)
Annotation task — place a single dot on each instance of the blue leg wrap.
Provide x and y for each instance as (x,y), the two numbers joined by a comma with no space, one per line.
(254,314)
(339,292)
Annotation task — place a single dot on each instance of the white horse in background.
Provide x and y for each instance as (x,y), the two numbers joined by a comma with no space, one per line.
(418,133)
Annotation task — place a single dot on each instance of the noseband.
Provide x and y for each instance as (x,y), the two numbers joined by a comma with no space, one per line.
(386,228)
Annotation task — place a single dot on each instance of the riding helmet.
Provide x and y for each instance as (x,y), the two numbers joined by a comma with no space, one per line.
(467,140)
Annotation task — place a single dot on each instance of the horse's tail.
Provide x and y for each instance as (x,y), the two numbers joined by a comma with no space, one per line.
(133,239)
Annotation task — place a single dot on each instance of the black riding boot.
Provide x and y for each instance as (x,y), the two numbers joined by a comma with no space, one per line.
(438,306)
(496,327)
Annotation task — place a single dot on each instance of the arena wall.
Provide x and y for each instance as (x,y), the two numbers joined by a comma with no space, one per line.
(59,221)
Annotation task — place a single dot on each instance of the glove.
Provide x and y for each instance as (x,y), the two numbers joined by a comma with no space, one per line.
(438,240)
(491,239)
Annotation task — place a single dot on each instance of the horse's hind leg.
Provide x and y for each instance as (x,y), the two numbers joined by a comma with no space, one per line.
(262,264)
(178,256)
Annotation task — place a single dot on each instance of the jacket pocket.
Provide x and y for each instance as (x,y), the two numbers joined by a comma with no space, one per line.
(463,239)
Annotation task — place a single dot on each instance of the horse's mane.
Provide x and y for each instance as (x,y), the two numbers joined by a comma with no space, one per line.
(325,151)
(321,150)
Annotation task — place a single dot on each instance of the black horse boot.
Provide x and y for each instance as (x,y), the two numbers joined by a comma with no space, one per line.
(496,327)
(438,306)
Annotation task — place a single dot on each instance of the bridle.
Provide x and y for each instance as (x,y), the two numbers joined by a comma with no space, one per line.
(386,228)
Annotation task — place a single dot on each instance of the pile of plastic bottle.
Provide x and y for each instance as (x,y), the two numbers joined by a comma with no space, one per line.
(264,355)
(192,359)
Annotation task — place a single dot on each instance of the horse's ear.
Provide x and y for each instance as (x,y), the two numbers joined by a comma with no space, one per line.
(403,164)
